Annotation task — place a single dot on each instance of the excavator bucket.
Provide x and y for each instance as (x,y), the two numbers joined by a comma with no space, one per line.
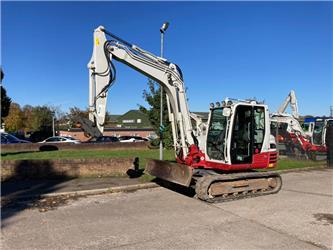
(169,171)
(88,127)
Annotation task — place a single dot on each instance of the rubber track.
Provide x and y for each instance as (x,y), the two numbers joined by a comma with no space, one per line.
(204,183)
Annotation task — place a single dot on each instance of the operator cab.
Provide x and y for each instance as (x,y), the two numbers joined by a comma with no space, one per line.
(317,134)
(236,132)
(317,129)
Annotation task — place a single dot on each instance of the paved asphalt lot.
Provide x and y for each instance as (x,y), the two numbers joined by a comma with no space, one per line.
(299,217)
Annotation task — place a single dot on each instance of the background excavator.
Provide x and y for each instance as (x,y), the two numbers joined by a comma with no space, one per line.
(316,129)
(217,159)
(291,134)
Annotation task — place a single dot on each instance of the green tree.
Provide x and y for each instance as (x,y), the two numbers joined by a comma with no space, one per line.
(42,118)
(39,118)
(76,112)
(153,98)
(14,120)
(27,112)
(5,100)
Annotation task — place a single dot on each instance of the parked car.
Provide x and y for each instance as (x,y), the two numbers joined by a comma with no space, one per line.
(131,139)
(9,139)
(37,136)
(103,139)
(61,139)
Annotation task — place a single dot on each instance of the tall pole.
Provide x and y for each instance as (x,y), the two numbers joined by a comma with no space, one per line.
(161,104)
(53,131)
(162,30)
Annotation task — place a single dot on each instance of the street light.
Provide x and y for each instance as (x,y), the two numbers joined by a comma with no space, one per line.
(53,127)
(164,27)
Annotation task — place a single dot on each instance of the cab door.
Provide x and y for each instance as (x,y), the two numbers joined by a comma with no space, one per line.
(242,134)
(248,133)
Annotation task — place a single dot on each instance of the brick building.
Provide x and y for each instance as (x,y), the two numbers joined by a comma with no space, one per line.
(132,123)
(131,119)
(143,132)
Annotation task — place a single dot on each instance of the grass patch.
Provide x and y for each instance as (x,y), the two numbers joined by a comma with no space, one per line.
(292,164)
(146,178)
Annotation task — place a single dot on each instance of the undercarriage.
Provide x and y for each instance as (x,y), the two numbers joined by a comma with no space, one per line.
(212,186)
(226,187)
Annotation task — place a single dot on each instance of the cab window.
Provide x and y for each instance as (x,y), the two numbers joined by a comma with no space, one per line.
(216,134)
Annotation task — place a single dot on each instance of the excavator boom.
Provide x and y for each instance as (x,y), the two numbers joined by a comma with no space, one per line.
(292,100)
(168,75)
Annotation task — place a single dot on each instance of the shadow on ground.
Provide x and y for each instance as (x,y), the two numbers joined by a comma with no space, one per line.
(31,180)
(48,148)
(187,191)
(25,187)
(17,153)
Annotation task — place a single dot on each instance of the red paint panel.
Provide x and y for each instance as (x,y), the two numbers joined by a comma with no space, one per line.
(260,161)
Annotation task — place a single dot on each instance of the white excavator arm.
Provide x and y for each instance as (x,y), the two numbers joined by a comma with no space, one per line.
(199,124)
(291,119)
(168,75)
(292,100)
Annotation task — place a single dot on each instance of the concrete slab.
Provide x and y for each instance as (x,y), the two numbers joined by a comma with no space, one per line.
(161,218)
(298,209)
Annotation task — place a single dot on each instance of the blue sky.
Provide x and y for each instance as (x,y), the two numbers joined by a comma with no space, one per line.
(225,49)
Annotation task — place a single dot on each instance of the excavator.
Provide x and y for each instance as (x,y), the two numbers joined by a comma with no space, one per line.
(292,133)
(315,128)
(218,159)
